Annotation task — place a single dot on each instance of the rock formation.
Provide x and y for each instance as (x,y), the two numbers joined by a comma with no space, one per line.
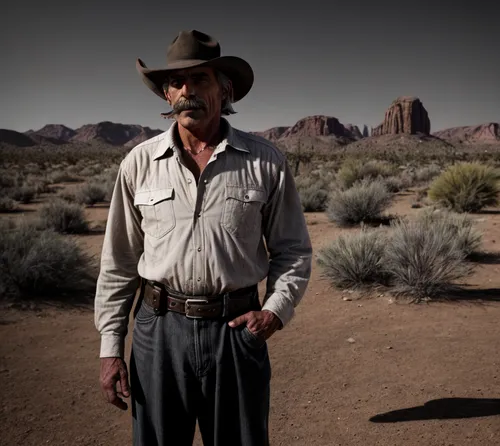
(405,115)
(482,133)
(53,132)
(354,131)
(317,125)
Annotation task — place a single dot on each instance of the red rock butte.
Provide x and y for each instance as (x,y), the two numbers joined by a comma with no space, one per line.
(405,115)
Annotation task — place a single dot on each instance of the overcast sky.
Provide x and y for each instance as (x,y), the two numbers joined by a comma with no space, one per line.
(73,63)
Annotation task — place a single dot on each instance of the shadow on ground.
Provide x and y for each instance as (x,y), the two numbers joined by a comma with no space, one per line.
(443,409)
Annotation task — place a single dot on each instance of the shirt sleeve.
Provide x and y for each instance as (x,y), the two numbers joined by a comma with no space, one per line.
(289,246)
(118,277)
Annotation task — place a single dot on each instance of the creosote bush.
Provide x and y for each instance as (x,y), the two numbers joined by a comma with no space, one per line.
(91,193)
(466,187)
(63,217)
(41,263)
(363,202)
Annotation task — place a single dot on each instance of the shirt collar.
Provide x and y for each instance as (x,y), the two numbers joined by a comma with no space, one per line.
(230,139)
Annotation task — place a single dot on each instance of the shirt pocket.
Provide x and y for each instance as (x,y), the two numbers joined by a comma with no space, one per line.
(157,209)
(242,215)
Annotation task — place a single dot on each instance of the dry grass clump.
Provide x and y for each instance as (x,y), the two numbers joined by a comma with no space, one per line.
(41,263)
(61,216)
(314,189)
(363,202)
(424,263)
(354,260)
(420,259)
(91,193)
(7,204)
(354,170)
(466,187)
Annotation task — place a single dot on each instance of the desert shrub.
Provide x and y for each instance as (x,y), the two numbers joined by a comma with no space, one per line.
(64,217)
(468,238)
(427,173)
(354,170)
(354,260)
(7,204)
(24,194)
(395,184)
(10,180)
(39,183)
(424,263)
(466,187)
(90,171)
(313,191)
(363,202)
(63,177)
(36,263)
(91,193)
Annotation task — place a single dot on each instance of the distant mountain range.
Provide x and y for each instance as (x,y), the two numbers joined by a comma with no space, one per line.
(405,115)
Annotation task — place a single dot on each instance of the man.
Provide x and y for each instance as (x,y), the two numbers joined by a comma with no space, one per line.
(199,216)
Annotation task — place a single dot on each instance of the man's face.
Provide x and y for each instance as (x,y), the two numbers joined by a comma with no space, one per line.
(195,96)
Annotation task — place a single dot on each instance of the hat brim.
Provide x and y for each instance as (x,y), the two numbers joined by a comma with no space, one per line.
(236,69)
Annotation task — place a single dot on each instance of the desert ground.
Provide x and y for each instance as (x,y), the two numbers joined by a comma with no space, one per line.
(350,369)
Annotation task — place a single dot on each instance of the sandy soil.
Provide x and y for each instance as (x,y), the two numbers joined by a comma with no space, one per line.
(415,374)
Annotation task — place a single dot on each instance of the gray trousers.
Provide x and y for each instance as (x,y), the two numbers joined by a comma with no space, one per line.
(183,370)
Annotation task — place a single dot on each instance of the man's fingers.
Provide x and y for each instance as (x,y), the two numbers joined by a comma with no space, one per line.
(240,319)
(124,382)
(113,399)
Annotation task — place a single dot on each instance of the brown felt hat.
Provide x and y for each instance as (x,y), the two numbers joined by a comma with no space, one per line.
(194,49)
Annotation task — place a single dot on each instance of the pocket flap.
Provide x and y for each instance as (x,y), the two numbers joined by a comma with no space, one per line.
(246,194)
(152,197)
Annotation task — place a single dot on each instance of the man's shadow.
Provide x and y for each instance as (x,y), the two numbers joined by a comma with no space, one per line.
(443,409)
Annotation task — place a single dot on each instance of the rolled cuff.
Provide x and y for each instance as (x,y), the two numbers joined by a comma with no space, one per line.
(283,309)
(112,346)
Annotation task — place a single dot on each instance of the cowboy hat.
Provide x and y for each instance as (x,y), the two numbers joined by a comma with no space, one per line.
(196,49)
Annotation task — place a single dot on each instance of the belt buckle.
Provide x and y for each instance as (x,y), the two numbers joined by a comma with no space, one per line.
(190,301)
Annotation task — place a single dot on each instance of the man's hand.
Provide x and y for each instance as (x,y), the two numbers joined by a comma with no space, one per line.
(262,324)
(114,371)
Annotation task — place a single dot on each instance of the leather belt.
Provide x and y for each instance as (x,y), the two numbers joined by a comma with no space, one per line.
(230,304)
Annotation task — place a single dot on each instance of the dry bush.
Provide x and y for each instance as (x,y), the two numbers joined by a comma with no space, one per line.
(63,177)
(354,170)
(63,217)
(466,187)
(36,263)
(91,193)
(363,202)
(424,261)
(427,173)
(24,194)
(314,190)
(7,204)
(468,238)
(354,260)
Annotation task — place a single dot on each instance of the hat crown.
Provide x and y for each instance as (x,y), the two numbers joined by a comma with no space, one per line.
(193,44)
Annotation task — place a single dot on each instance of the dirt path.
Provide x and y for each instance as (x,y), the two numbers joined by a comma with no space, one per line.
(325,389)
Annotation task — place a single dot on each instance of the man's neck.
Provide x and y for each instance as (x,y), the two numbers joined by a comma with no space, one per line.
(200,138)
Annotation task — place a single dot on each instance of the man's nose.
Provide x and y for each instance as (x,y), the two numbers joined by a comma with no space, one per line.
(188,89)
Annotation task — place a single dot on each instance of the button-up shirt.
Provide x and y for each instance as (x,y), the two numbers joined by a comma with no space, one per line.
(240,223)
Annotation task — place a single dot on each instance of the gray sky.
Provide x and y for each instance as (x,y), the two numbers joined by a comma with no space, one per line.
(74,63)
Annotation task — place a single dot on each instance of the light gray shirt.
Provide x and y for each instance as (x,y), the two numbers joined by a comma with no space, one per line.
(242,223)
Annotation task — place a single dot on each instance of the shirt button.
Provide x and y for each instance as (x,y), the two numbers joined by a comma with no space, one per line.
(189,180)
(206,181)
(199,249)
(199,279)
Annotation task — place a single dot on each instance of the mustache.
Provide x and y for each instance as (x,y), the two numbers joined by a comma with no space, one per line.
(185,104)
